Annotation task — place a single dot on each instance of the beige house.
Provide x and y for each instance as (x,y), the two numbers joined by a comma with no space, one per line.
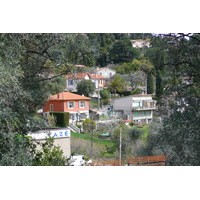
(61,138)
(138,108)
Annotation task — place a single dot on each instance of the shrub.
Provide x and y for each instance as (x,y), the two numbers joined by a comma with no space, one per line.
(135,133)
(62,118)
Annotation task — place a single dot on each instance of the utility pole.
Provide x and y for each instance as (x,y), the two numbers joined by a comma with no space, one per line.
(98,98)
(120,147)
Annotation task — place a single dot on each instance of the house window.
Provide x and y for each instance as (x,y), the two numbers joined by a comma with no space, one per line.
(71,104)
(51,107)
(81,104)
(70,82)
(150,112)
(137,104)
(136,113)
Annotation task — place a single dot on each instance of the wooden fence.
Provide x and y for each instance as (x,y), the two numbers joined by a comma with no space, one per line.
(147,161)
(159,160)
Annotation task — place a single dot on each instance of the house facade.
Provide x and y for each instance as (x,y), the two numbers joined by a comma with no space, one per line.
(73,79)
(105,72)
(138,108)
(76,105)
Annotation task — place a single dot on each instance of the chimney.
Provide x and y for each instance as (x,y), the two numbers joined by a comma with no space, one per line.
(57,96)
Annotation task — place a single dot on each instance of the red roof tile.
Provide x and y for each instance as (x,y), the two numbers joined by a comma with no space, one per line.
(96,76)
(83,75)
(80,66)
(67,96)
(77,75)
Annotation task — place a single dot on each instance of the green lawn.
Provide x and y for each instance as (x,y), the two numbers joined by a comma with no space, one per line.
(96,139)
(110,146)
(145,134)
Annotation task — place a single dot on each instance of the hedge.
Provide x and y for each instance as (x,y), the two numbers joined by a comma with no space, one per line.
(62,118)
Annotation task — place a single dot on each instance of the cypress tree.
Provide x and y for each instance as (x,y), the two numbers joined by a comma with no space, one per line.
(159,89)
(150,84)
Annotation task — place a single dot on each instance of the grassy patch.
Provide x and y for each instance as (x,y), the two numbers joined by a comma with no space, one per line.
(96,139)
(145,134)
(108,146)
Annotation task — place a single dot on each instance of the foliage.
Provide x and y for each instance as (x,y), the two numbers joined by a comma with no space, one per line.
(51,119)
(159,84)
(50,155)
(143,36)
(178,137)
(89,125)
(135,79)
(126,68)
(16,150)
(122,51)
(146,66)
(57,85)
(150,84)
(135,133)
(118,84)
(86,87)
(28,65)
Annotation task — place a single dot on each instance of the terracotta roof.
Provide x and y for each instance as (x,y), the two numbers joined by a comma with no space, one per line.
(96,76)
(77,75)
(83,75)
(80,66)
(67,96)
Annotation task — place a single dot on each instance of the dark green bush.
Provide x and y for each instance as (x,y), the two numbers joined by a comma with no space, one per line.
(62,118)
(135,133)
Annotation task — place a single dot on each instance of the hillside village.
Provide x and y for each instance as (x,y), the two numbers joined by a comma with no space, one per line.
(101,99)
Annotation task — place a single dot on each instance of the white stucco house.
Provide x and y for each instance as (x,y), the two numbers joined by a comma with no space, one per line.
(138,108)
(105,72)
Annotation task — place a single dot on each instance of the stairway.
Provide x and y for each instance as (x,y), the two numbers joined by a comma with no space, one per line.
(74,128)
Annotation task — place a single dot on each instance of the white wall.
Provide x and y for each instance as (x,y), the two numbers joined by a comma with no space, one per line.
(122,103)
(106,72)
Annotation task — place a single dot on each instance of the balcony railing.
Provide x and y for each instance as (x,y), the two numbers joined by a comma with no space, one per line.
(144,108)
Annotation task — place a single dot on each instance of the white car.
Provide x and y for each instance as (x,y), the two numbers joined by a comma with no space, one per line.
(79,160)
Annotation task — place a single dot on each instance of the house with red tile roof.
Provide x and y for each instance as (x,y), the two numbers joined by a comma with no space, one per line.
(76,105)
(73,79)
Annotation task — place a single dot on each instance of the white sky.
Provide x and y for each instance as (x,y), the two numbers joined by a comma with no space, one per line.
(84,16)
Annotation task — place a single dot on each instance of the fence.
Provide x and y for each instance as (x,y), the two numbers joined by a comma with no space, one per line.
(159,160)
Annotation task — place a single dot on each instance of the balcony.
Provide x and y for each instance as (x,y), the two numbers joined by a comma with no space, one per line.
(144,108)
(144,105)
